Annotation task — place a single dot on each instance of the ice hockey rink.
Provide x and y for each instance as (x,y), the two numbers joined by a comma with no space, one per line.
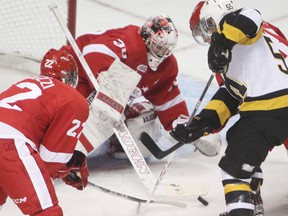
(187,165)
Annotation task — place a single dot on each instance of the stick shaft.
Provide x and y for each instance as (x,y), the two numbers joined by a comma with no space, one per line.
(135,199)
(75,47)
(152,146)
(201,98)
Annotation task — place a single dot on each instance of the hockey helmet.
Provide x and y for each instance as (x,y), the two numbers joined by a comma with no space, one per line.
(60,65)
(160,36)
(206,16)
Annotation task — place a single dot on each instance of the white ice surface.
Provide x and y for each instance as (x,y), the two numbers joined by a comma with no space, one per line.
(187,166)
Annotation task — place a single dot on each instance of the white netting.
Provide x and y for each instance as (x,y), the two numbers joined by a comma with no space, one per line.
(28,28)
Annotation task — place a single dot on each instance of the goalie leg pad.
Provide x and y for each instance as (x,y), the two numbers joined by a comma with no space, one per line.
(146,122)
(108,105)
(97,129)
(209,145)
(140,117)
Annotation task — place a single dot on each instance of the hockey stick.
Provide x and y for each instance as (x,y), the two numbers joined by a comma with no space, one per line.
(75,47)
(163,172)
(152,146)
(144,173)
(135,199)
(125,138)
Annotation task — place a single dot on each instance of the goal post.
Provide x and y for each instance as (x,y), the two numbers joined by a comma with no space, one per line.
(71,19)
(28,30)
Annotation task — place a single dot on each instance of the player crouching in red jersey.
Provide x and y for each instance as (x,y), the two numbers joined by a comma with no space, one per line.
(41,119)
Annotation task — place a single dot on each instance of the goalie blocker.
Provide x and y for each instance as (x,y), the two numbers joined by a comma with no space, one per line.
(107,106)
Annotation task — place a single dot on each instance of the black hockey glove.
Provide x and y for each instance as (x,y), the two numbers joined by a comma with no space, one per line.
(219,56)
(187,134)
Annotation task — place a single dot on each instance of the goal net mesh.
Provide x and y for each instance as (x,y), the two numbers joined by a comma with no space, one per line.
(28,29)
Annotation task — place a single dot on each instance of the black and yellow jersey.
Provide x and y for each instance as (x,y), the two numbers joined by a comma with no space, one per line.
(256,82)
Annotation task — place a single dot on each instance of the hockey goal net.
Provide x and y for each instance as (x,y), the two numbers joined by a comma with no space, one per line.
(29,29)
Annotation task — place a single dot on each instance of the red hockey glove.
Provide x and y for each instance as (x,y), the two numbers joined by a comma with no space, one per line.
(78,175)
(187,134)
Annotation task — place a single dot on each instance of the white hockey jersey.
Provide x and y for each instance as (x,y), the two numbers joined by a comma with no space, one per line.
(257,78)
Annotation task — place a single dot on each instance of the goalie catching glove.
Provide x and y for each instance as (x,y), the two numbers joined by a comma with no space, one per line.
(190,133)
(76,173)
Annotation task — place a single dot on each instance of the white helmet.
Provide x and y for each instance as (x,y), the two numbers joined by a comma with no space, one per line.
(217,9)
(206,17)
(160,36)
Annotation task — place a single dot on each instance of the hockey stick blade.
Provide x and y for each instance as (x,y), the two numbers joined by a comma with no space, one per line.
(152,146)
(135,199)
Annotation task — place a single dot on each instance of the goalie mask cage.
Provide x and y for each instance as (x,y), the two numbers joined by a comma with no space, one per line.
(28,29)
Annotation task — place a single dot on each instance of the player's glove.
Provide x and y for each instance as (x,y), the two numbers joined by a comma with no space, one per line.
(78,171)
(187,134)
(219,56)
(182,119)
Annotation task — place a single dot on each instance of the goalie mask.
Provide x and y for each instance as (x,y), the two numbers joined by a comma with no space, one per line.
(160,36)
(60,65)
(206,16)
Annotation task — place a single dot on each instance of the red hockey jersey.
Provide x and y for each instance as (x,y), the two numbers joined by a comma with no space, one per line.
(47,113)
(125,44)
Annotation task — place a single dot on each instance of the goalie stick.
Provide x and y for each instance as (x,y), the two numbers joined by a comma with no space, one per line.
(156,185)
(126,140)
(135,199)
(146,175)
(152,146)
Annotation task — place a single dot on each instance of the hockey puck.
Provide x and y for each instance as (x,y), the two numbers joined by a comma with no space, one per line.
(203,201)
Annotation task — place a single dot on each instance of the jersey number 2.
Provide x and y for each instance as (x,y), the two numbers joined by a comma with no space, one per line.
(72,132)
(34,92)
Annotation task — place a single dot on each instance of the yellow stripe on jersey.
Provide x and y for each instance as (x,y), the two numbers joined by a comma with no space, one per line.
(222,110)
(265,105)
(236,35)
(236,187)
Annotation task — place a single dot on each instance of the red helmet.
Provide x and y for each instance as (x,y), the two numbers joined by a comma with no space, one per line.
(60,65)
